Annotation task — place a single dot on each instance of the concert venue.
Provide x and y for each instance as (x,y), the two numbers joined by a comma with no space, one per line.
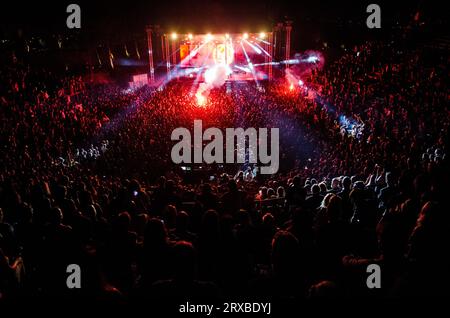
(223,156)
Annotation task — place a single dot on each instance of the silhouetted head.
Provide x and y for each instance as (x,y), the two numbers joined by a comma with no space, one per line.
(281,193)
(324,290)
(359,185)
(297,181)
(170,186)
(323,187)
(232,186)
(263,192)
(268,220)
(91,212)
(184,260)
(25,213)
(155,233)
(334,209)
(346,182)
(243,217)
(335,183)
(162,181)
(206,188)
(182,221)
(285,253)
(389,179)
(134,185)
(315,189)
(55,216)
(432,215)
(122,222)
(170,216)
(210,222)
(326,200)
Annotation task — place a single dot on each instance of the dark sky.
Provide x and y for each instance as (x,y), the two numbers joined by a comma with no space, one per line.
(198,15)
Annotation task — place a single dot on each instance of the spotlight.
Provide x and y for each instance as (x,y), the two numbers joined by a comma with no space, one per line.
(262,35)
(190,36)
(210,75)
(201,100)
(174,36)
(209,37)
(227,36)
(245,36)
(312,59)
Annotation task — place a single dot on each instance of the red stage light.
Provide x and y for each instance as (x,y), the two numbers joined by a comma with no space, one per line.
(201,100)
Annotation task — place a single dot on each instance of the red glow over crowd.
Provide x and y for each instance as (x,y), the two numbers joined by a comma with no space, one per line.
(86,178)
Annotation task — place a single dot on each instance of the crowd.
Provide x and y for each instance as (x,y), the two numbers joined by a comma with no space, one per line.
(86,178)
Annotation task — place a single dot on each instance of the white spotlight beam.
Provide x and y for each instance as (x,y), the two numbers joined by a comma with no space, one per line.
(250,65)
(265,52)
(263,41)
(197,78)
(253,47)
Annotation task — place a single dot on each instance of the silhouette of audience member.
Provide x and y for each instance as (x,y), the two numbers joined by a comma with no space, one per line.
(184,285)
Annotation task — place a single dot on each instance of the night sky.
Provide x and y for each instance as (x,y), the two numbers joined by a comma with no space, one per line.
(200,15)
(110,23)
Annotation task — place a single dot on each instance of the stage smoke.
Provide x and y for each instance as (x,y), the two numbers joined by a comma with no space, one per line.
(316,58)
(214,77)
(291,78)
(306,63)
